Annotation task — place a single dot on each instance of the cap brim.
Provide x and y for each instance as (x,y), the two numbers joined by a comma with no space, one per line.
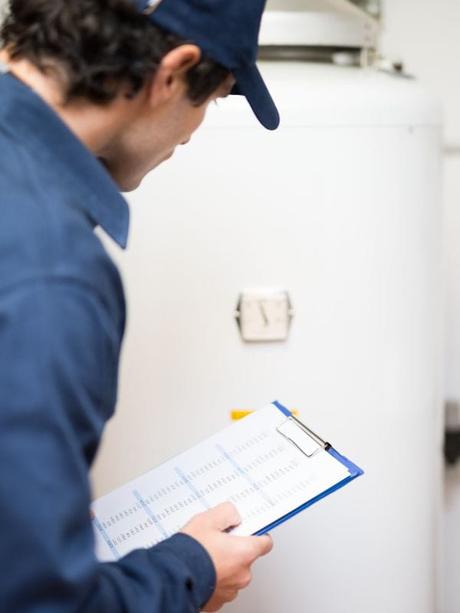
(249,83)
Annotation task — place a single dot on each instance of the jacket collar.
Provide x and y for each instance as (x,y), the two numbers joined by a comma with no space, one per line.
(39,128)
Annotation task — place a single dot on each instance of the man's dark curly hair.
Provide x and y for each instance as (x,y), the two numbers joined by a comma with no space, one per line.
(99,46)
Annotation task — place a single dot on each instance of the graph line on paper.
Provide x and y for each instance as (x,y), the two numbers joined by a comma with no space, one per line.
(150,513)
(198,495)
(106,537)
(243,473)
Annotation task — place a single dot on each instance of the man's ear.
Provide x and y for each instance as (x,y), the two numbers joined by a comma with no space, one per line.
(169,78)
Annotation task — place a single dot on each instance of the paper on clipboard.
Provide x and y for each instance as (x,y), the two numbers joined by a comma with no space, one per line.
(268,464)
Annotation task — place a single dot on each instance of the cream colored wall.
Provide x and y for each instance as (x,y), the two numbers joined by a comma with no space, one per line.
(425,34)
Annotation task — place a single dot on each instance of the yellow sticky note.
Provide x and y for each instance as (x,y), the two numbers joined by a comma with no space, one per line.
(238,414)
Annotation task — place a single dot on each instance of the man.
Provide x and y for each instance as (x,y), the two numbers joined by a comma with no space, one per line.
(97,93)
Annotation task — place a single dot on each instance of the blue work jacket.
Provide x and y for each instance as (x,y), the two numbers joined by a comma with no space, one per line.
(62,319)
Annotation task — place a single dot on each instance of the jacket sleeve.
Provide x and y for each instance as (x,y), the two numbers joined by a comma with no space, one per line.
(58,362)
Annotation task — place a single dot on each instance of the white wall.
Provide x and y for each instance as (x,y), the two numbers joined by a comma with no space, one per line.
(425,34)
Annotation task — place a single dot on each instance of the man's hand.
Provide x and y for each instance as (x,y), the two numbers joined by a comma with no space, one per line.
(233,556)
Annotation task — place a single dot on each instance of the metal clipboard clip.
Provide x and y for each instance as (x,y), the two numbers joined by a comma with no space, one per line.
(304,439)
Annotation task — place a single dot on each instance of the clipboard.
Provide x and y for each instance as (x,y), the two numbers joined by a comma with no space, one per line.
(353,469)
(269,464)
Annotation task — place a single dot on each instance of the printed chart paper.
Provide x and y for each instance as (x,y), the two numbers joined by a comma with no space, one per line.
(265,474)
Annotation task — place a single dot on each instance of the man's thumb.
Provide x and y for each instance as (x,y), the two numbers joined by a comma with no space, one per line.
(224,516)
(262,545)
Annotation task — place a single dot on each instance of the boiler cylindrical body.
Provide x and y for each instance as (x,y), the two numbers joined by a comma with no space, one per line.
(340,207)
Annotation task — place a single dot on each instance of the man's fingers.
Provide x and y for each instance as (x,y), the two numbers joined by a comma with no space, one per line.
(224,516)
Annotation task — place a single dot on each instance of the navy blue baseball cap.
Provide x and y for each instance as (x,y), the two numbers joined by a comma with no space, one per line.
(227,31)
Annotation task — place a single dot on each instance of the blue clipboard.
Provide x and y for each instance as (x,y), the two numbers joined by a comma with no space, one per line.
(353,470)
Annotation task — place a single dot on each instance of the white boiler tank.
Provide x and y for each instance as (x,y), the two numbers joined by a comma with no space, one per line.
(341,208)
